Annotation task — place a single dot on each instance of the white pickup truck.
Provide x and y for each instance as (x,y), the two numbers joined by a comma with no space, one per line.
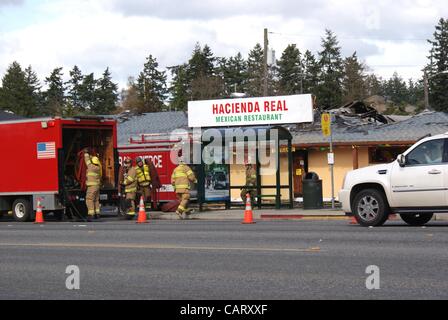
(415,186)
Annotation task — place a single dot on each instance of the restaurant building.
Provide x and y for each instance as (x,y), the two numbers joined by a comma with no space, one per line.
(358,142)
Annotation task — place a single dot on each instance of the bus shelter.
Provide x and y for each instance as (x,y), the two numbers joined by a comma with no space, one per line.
(216,173)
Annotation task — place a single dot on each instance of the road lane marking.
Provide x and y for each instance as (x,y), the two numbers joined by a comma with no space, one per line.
(152,246)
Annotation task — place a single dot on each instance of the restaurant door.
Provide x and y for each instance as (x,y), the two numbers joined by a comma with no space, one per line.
(300,168)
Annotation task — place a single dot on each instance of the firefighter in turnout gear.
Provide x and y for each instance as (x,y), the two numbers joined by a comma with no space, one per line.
(180,179)
(251,183)
(93,183)
(144,181)
(130,188)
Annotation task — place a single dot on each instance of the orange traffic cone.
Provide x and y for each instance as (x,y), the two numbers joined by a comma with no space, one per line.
(142,212)
(392,216)
(248,215)
(353,220)
(39,214)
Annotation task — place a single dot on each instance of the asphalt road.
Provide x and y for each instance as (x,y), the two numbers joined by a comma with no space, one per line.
(223,260)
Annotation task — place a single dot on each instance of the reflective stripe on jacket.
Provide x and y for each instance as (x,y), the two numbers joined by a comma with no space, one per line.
(93,172)
(143,175)
(181,177)
(130,181)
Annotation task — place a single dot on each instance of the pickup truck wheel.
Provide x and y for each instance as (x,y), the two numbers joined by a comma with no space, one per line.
(22,210)
(370,208)
(416,219)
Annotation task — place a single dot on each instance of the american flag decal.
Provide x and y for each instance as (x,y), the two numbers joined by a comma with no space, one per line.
(46,150)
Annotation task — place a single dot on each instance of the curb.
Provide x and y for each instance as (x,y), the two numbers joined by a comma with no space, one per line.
(302,217)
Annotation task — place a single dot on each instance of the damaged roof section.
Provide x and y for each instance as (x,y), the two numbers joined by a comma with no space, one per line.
(368,129)
(354,123)
(363,113)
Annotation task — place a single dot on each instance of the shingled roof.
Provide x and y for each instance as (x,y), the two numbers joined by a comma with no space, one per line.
(7,116)
(346,130)
(147,123)
(349,131)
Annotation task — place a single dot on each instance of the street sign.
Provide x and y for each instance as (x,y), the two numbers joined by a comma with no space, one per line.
(326,131)
(330,157)
(326,124)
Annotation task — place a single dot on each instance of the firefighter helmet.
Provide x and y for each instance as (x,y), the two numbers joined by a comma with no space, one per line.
(138,159)
(96,161)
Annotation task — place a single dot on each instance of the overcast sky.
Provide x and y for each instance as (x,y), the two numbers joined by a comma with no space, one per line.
(94,34)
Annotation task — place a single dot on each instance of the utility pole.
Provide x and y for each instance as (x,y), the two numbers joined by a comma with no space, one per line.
(265,67)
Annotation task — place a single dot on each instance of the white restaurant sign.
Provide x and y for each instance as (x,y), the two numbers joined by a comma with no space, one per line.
(250,111)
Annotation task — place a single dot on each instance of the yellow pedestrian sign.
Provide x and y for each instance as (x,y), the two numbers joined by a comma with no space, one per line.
(326,124)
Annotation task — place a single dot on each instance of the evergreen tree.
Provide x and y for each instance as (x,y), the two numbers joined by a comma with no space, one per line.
(255,72)
(14,91)
(396,89)
(290,71)
(234,73)
(87,94)
(354,80)
(33,103)
(106,95)
(74,86)
(415,93)
(330,61)
(202,74)
(55,94)
(151,86)
(311,73)
(179,88)
(201,63)
(374,85)
(438,68)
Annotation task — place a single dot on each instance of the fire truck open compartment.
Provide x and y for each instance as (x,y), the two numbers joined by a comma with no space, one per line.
(74,140)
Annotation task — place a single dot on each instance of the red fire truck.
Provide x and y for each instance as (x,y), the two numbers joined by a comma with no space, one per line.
(39,160)
(157,148)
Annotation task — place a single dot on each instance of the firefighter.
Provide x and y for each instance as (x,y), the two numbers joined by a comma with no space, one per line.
(130,187)
(180,179)
(93,183)
(144,181)
(121,189)
(250,186)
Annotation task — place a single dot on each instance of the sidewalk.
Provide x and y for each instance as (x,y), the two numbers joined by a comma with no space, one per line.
(265,214)
(272,214)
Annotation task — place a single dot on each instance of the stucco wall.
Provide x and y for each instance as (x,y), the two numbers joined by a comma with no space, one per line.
(317,162)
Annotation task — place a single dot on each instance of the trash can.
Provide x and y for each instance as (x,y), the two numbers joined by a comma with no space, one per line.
(312,191)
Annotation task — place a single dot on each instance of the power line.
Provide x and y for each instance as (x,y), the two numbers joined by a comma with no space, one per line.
(395,65)
(364,38)
(349,38)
